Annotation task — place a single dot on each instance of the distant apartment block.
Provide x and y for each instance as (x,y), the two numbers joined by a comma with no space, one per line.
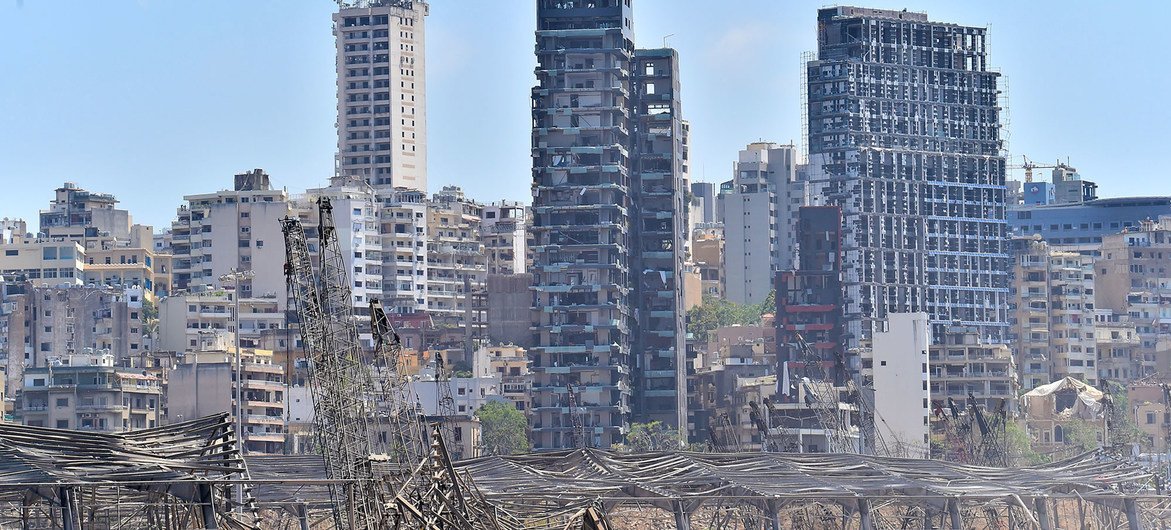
(916,165)
(382,92)
(85,391)
(504,230)
(204,383)
(1081,226)
(77,214)
(962,366)
(759,219)
(1052,314)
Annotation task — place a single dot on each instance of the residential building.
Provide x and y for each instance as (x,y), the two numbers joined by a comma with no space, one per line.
(1051,410)
(659,236)
(509,313)
(1120,354)
(901,383)
(356,216)
(43,261)
(707,255)
(404,219)
(11,229)
(238,229)
(511,363)
(1052,313)
(961,365)
(580,223)
(130,266)
(704,204)
(1081,226)
(759,208)
(186,317)
(904,134)
(504,229)
(809,298)
(205,383)
(49,324)
(77,214)
(85,391)
(455,255)
(382,92)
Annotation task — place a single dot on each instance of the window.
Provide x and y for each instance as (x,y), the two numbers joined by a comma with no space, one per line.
(62,424)
(11,252)
(62,402)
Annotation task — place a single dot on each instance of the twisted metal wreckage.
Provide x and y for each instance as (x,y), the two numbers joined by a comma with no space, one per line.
(382,467)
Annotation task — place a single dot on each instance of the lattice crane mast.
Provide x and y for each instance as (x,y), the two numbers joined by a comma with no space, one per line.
(397,401)
(343,413)
(579,437)
(822,398)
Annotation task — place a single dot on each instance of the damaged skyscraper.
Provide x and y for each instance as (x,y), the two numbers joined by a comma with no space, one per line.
(904,135)
(608,225)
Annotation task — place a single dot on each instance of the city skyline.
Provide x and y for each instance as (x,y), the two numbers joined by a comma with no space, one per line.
(114,116)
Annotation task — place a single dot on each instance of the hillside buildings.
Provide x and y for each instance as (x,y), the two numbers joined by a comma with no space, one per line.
(904,134)
(85,391)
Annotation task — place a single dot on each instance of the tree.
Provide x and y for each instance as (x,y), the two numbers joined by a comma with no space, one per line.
(651,437)
(504,429)
(1122,428)
(717,312)
(1020,447)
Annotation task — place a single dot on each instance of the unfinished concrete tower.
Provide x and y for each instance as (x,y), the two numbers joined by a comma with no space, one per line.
(581,208)
(659,217)
(904,135)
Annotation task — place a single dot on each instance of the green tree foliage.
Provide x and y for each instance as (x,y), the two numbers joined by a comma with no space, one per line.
(717,312)
(504,429)
(1122,428)
(653,436)
(1020,447)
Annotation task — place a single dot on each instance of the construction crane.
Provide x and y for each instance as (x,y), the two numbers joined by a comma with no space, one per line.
(1029,166)
(822,398)
(343,411)
(406,441)
(578,434)
(350,412)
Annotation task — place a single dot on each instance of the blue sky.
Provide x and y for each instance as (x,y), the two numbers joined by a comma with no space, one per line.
(151,100)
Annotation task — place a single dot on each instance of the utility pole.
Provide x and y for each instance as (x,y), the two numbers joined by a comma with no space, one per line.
(236,276)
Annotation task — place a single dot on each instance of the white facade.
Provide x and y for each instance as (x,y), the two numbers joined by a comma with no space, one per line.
(901,383)
(758,210)
(504,229)
(404,251)
(215,233)
(356,216)
(381,92)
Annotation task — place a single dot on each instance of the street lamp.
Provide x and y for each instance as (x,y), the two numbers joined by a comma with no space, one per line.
(235,276)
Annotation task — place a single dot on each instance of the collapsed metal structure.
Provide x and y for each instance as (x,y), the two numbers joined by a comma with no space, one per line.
(178,476)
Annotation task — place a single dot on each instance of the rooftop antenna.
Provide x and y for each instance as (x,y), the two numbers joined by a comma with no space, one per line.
(665,39)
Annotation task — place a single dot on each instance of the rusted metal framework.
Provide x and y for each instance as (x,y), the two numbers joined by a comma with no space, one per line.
(178,476)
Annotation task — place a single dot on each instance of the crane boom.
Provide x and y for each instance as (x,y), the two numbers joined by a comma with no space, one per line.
(339,384)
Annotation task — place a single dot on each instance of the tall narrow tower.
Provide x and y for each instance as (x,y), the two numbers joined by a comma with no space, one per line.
(905,136)
(581,222)
(382,92)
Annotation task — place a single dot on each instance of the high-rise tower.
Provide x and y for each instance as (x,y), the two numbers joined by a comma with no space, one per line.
(581,224)
(904,135)
(381,92)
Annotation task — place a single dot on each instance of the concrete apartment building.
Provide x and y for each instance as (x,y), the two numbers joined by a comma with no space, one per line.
(51,323)
(85,391)
(902,383)
(904,134)
(356,216)
(404,219)
(581,223)
(1052,314)
(609,163)
(77,214)
(204,383)
(215,233)
(43,261)
(504,229)
(759,211)
(961,364)
(382,92)
(187,318)
(707,256)
(660,237)
(455,254)
(1120,354)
